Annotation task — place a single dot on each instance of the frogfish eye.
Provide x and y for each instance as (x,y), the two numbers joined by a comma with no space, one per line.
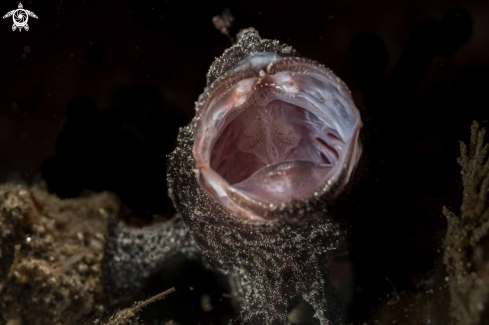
(273,130)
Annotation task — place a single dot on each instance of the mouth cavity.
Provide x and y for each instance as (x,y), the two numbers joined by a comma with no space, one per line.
(274,130)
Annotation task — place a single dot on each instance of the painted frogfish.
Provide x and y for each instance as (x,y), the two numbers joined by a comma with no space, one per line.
(256,178)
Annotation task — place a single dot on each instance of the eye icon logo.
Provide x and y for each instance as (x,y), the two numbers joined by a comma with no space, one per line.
(20,17)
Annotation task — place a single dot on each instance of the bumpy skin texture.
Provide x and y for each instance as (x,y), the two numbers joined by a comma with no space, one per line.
(273,263)
(133,255)
(249,41)
(269,264)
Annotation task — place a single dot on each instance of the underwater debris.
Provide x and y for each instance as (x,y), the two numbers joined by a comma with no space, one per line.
(62,266)
(428,304)
(51,255)
(125,316)
(224,22)
(13,268)
(466,254)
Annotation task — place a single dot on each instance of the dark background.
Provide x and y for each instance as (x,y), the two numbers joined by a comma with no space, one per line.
(91,97)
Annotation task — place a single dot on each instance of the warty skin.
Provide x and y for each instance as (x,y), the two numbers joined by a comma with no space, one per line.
(270,260)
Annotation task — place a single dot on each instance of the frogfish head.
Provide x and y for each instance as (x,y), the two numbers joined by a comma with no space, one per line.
(273,130)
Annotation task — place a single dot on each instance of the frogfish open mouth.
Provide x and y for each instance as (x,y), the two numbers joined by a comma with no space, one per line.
(274,129)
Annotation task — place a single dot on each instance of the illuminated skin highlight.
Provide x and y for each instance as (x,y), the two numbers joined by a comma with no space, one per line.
(260,179)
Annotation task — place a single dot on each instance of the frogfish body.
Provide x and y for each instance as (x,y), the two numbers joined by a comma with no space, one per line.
(256,179)
(256,174)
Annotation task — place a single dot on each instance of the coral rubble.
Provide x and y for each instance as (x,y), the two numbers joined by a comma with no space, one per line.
(51,252)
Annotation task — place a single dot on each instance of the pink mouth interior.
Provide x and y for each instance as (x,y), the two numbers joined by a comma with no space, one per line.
(276,152)
(265,139)
(263,136)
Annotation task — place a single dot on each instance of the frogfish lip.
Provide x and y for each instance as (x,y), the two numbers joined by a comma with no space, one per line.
(272,131)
